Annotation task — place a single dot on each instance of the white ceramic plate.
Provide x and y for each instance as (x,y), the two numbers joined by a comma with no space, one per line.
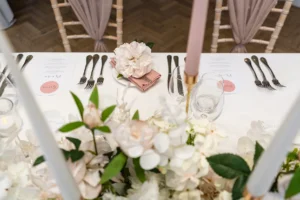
(122,81)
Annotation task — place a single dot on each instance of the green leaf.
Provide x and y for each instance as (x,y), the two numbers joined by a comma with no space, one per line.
(292,156)
(76,155)
(140,172)
(150,44)
(104,129)
(66,154)
(38,161)
(238,187)
(41,159)
(75,141)
(229,166)
(258,151)
(114,167)
(70,126)
(294,186)
(107,112)
(94,98)
(120,76)
(79,104)
(136,115)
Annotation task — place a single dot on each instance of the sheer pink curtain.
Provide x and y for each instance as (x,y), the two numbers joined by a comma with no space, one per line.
(94,16)
(246,16)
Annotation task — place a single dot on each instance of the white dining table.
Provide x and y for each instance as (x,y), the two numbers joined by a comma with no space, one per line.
(249,103)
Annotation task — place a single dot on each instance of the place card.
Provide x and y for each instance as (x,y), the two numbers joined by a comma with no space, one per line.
(54,75)
(223,66)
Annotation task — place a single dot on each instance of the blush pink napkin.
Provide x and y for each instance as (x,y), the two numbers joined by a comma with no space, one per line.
(145,82)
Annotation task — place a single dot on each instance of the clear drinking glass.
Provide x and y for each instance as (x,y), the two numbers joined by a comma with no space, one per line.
(10,123)
(207,97)
(177,88)
(8,90)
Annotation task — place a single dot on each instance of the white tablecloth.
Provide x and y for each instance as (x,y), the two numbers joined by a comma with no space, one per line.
(248,104)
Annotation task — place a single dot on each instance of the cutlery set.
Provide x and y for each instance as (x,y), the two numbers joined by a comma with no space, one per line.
(91,82)
(179,78)
(264,83)
(9,77)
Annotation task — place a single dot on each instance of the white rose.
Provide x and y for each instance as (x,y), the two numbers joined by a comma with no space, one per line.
(91,116)
(133,59)
(135,137)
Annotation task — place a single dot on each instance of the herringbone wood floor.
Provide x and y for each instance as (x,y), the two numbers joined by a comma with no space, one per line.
(164,22)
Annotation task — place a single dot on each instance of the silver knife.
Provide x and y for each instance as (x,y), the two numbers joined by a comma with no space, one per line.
(179,79)
(169,57)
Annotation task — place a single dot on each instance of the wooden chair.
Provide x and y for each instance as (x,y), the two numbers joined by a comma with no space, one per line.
(62,25)
(275,31)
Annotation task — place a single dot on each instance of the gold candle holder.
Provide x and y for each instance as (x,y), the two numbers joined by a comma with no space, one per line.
(248,196)
(190,81)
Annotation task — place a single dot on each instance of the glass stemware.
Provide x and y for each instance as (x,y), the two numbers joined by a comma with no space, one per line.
(207,97)
(10,123)
(177,88)
(8,90)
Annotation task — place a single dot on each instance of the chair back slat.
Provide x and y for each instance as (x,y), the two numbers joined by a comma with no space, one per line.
(62,25)
(275,31)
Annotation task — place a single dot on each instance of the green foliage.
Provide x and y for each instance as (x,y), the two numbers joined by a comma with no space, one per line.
(258,151)
(136,115)
(104,129)
(294,186)
(238,187)
(191,139)
(229,166)
(76,155)
(114,167)
(71,126)
(38,161)
(75,141)
(120,76)
(150,44)
(78,104)
(140,172)
(107,112)
(94,98)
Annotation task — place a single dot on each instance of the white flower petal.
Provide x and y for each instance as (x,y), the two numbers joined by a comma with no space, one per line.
(176,163)
(163,160)
(149,160)
(135,151)
(161,142)
(184,152)
(245,145)
(89,192)
(92,178)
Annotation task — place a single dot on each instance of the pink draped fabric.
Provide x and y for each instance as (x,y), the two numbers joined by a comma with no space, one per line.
(94,16)
(246,17)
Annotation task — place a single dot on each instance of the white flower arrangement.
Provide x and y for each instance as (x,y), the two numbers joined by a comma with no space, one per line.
(113,156)
(133,59)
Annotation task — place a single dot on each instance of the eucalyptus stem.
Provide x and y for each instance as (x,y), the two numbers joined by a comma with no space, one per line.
(94,140)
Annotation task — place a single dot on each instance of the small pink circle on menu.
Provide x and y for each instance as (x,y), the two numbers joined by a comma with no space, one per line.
(49,87)
(229,86)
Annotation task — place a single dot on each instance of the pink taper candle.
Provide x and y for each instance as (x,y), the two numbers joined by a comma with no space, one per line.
(196,37)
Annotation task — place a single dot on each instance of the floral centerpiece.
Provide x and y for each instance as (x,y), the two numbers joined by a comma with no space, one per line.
(115,156)
(133,59)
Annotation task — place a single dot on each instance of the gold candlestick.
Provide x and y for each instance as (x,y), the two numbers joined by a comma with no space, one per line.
(190,81)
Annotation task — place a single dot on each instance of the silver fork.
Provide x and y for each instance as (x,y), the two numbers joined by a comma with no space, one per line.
(91,81)
(265,82)
(83,78)
(100,80)
(274,79)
